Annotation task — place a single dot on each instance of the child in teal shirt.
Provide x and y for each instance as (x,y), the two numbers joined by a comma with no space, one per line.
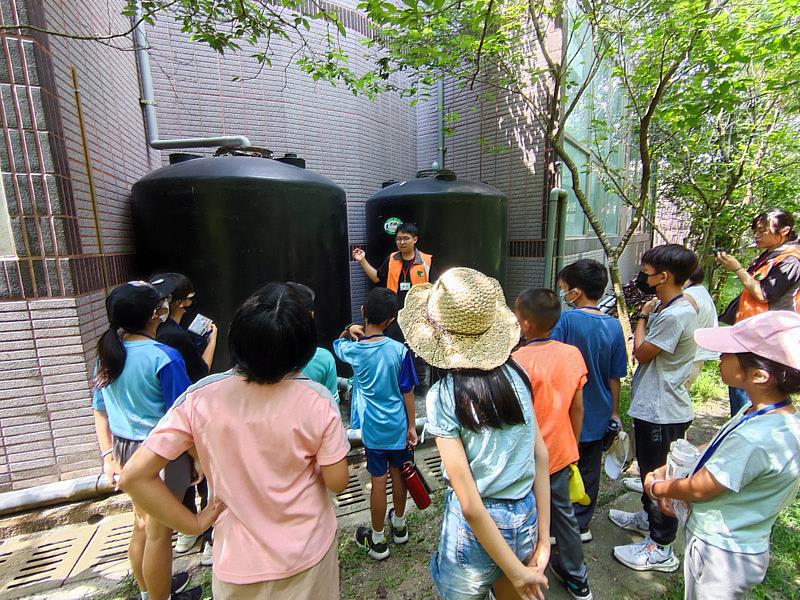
(383,404)
(750,471)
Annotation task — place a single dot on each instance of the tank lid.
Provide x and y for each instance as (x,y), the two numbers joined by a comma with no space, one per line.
(253,151)
(233,167)
(291,158)
(179,157)
(438,183)
(441,174)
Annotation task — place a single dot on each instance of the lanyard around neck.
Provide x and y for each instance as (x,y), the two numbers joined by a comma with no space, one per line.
(671,302)
(529,342)
(712,447)
(369,337)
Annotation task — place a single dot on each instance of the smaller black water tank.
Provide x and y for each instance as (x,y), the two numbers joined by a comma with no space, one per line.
(462,223)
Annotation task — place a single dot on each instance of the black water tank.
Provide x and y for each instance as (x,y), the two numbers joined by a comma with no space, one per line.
(462,223)
(233,223)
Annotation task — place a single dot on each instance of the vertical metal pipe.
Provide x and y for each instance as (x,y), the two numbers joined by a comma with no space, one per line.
(440,120)
(550,243)
(149,106)
(90,179)
(562,230)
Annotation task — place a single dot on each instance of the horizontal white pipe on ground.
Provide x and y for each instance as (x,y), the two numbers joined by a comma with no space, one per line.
(83,488)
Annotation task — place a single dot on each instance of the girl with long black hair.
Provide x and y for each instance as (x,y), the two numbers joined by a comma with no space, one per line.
(496,529)
(138,379)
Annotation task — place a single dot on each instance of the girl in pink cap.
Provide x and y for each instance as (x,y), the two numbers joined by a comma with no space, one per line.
(750,471)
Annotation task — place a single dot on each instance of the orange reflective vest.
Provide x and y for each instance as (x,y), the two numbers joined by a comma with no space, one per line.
(749,305)
(419,271)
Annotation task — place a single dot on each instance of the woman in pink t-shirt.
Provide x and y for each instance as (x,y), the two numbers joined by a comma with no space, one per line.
(271,443)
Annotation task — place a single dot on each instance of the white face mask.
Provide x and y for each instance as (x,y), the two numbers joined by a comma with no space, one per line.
(165,306)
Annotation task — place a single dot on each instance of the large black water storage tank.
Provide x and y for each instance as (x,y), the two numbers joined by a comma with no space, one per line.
(462,223)
(233,223)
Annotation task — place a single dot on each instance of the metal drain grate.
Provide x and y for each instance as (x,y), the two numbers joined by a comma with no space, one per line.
(40,562)
(433,464)
(37,562)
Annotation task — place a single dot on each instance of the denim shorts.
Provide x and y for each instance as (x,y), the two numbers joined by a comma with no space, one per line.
(461,569)
(379,461)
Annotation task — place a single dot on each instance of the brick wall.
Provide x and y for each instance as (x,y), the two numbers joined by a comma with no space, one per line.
(356,142)
(46,428)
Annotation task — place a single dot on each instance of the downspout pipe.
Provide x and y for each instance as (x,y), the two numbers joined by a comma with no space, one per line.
(149,105)
(558,197)
(561,238)
(440,121)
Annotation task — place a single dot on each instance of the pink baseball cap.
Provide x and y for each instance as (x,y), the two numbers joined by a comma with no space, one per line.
(774,335)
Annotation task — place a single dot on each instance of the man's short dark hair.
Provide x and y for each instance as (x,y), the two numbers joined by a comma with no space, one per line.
(409,228)
(698,276)
(272,334)
(540,306)
(380,306)
(673,258)
(587,275)
(305,293)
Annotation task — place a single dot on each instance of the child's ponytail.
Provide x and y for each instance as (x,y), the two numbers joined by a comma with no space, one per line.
(111,355)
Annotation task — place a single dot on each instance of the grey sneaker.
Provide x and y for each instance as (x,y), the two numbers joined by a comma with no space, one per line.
(399,534)
(646,555)
(185,543)
(207,555)
(634,484)
(632,521)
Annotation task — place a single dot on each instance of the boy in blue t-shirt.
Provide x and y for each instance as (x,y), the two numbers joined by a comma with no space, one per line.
(383,400)
(600,339)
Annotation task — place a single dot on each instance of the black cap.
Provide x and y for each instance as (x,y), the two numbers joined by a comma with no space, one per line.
(130,305)
(164,284)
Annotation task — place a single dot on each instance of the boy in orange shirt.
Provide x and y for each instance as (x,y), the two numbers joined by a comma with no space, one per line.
(557,373)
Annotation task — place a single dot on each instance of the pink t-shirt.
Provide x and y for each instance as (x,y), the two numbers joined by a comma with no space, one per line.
(261,447)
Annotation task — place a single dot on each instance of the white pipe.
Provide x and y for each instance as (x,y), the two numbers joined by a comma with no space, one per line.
(92,486)
(354,435)
(149,105)
(54,493)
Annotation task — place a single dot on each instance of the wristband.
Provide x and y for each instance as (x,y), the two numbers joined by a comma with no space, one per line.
(740,269)
(106,453)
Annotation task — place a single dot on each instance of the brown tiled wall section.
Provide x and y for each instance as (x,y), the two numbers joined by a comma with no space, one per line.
(45,416)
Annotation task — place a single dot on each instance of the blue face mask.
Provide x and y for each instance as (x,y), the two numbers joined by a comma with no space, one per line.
(563,295)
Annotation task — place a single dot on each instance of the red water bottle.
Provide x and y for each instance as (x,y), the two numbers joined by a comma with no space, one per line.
(417,486)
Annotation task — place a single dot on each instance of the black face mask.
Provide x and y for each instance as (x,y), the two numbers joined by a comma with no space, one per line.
(642,285)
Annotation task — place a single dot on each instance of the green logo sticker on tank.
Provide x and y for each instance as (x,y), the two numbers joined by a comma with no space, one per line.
(391,225)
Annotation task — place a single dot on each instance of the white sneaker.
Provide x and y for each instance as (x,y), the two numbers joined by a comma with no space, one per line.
(185,543)
(633,521)
(647,556)
(634,484)
(586,536)
(207,557)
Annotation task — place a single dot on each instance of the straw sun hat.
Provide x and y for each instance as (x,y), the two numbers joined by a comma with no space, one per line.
(460,322)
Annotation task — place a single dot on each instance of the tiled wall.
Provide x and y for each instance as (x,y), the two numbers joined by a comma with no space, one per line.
(356,142)
(47,345)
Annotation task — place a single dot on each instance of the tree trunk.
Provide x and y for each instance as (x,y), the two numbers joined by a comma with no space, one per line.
(622,306)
